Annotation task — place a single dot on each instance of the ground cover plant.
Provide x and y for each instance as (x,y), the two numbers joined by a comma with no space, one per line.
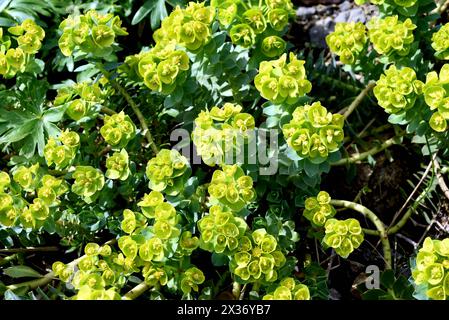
(209,150)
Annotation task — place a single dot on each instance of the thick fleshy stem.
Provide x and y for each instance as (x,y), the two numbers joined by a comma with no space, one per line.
(133,105)
(362,156)
(108,111)
(377,223)
(359,99)
(242,293)
(441,182)
(29,249)
(398,226)
(136,291)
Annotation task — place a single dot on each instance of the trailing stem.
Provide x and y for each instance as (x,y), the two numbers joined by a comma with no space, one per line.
(377,223)
(136,291)
(359,99)
(362,156)
(133,105)
(30,249)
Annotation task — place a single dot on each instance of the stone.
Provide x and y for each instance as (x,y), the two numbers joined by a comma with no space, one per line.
(305,12)
(320,30)
(353,15)
(345,6)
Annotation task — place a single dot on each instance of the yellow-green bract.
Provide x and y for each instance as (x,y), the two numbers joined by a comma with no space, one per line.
(391,36)
(258,257)
(436,95)
(231,188)
(347,41)
(15,210)
(168,171)
(91,33)
(250,25)
(397,90)
(289,289)
(28,36)
(162,68)
(62,151)
(80,98)
(318,209)
(440,42)
(118,130)
(282,82)
(221,132)
(189,27)
(118,166)
(343,235)
(221,230)
(88,181)
(314,132)
(431,269)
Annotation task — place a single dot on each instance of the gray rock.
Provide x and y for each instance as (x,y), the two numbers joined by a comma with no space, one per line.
(305,12)
(345,6)
(353,15)
(320,30)
(342,16)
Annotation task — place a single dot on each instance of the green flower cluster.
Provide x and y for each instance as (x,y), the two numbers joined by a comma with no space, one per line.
(118,130)
(397,90)
(390,36)
(314,132)
(191,278)
(289,289)
(221,230)
(51,188)
(8,211)
(28,36)
(33,216)
(318,209)
(165,220)
(80,99)
(189,27)
(26,177)
(118,166)
(221,132)
(141,247)
(162,68)
(138,247)
(257,258)
(343,235)
(154,275)
(188,243)
(440,42)
(167,172)
(259,25)
(98,275)
(282,82)
(13,208)
(348,41)
(436,96)
(231,188)
(92,33)
(432,268)
(62,151)
(88,181)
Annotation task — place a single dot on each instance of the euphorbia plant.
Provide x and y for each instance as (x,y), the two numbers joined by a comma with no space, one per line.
(100,172)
